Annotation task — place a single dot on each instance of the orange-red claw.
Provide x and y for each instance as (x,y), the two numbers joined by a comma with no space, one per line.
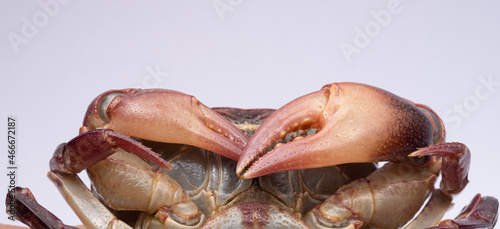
(354,122)
(165,116)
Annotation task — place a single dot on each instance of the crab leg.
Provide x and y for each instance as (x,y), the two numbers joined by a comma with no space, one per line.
(113,161)
(432,212)
(86,206)
(455,165)
(158,115)
(93,146)
(353,122)
(343,115)
(482,212)
(23,206)
(165,116)
(126,182)
(375,200)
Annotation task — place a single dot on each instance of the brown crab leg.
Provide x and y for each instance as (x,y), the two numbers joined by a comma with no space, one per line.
(165,116)
(93,146)
(24,208)
(482,212)
(455,164)
(354,122)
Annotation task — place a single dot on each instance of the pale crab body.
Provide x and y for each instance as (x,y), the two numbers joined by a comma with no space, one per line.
(305,165)
(211,183)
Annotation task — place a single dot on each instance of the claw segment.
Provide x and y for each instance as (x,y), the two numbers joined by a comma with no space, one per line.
(437,124)
(165,116)
(282,122)
(354,122)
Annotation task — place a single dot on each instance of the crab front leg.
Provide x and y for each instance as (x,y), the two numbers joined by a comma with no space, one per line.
(353,123)
(359,123)
(158,115)
(165,116)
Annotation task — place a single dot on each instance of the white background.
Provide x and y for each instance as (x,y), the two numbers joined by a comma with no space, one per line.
(55,57)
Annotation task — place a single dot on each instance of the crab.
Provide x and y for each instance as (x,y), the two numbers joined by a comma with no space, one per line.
(161,159)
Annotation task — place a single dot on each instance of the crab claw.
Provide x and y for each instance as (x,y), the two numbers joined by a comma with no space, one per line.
(341,123)
(165,116)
